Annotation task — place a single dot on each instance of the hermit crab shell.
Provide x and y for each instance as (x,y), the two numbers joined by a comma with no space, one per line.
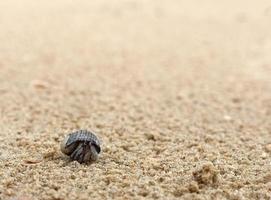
(82,145)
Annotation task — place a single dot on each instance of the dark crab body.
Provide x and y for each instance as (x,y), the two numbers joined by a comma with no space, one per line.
(82,146)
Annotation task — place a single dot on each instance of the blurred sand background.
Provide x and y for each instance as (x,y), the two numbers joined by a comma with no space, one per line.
(178,91)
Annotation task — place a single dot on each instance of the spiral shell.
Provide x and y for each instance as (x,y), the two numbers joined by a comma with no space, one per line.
(82,145)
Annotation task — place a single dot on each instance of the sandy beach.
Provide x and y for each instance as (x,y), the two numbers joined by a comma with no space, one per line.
(179,93)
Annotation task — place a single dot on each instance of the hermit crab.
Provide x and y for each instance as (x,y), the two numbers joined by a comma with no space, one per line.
(82,145)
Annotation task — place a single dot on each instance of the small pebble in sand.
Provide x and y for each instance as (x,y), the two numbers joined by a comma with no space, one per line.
(268,147)
(82,146)
(39,84)
(227,118)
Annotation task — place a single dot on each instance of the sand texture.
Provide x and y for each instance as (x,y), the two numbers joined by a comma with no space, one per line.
(179,92)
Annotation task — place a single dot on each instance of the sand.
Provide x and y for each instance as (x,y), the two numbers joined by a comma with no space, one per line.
(179,92)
